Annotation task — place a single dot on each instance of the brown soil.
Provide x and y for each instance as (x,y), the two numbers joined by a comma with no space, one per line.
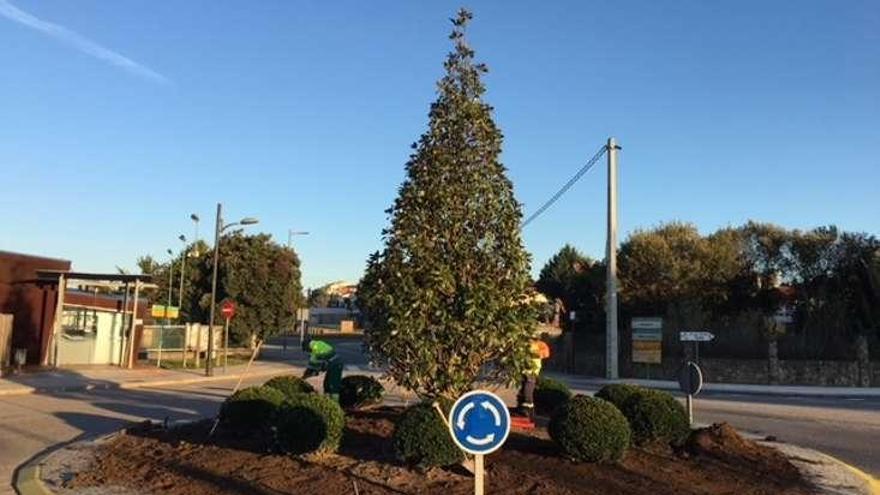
(183,461)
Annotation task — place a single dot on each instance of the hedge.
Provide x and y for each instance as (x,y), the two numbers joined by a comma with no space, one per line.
(359,391)
(549,395)
(310,422)
(251,408)
(290,385)
(656,416)
(618,393)
(590,429)
(421,438)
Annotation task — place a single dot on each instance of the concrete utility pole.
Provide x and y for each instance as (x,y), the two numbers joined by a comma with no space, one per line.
(218,226)
(611,368)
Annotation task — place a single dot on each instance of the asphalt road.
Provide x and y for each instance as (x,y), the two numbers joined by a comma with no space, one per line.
(845,428)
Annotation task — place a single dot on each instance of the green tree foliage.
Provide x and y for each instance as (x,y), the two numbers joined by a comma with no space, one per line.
(422,439)
(260,275)
(445,297)
(578,282)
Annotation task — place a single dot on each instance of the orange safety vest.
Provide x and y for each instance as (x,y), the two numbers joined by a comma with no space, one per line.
(540,350)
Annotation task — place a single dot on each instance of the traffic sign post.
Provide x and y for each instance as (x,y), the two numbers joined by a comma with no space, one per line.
(228,311)
(690,380)
(696,338)
(479,423)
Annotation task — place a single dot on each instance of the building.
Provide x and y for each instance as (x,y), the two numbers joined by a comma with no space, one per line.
(93,324)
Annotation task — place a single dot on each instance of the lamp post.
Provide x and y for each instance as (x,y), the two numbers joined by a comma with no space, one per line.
(195,219)
(184,254)
(218,229)
(290,234)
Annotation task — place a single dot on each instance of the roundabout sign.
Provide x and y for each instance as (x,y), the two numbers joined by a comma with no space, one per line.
(479,423)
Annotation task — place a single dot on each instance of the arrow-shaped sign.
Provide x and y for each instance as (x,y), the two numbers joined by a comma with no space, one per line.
(696,336)
(459,421)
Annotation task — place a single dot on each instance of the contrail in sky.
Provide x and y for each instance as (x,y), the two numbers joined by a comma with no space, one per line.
(79,42)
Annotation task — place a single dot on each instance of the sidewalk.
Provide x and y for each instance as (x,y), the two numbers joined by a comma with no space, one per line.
(108,377)
(588,383)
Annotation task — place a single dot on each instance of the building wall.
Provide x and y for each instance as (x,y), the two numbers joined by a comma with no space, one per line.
(32,304)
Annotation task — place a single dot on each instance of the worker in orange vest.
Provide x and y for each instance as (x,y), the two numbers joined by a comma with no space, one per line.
(526,398)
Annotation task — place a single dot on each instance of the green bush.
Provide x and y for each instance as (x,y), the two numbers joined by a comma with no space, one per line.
(656,416)
(590,429)
(359,391)
(549,395)
(422,438)
(290,385)
(310,422)
(251,408)
(618,393)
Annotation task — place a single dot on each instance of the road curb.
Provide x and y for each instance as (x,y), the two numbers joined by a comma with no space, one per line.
(872,482)
(136,385)
(27,480)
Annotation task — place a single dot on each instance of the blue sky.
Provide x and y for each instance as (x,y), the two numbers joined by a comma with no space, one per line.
(119,119)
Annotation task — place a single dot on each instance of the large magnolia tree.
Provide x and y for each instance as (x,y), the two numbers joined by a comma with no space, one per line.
(445,298)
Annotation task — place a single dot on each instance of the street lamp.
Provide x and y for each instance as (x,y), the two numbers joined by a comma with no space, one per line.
(218,229)
(290,234)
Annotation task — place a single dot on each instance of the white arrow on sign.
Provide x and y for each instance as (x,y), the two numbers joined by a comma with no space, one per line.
(461,414)
(488,405)
(695,336)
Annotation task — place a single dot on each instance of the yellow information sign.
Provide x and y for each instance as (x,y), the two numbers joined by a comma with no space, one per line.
(159,311)
(647,340)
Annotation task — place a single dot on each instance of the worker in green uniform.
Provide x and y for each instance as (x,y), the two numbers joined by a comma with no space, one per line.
(323,359)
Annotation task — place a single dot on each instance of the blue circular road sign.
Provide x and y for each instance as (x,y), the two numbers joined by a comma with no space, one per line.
(479,422)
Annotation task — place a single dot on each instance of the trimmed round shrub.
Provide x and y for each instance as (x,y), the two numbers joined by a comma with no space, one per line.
(549,395)
(251,408)
(359,391)
(309,423)
(656,416)
(590,429)
(421,438)
(290,385)
(618,393)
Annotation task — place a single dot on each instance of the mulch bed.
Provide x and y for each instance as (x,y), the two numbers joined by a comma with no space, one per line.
(183,460)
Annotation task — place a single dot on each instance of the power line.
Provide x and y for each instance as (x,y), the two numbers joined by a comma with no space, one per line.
(580,173)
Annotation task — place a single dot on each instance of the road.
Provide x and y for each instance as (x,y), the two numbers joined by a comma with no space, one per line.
(845,428)
(30,424)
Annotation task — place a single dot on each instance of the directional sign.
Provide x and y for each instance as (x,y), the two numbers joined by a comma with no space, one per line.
(479,422)
(228,309)
(647,340)
(696,336)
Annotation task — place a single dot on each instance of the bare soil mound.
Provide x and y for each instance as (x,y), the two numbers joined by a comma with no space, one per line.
(184,460)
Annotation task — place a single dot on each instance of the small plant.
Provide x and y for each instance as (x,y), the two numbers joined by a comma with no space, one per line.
(309,423)
(251,408)
(359,391)
(656,416)
(421,438)
(290,385)
(590,429)
(549,395)
(618,393)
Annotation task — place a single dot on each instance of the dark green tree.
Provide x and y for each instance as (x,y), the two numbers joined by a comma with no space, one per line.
(446,296)
(260,275)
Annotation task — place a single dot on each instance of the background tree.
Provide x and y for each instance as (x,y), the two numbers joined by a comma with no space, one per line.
(577,281)
(446,297)
(260,275)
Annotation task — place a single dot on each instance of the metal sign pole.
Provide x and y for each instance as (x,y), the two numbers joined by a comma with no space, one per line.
(225,344)
(159,358)
(478,474)
(690,407)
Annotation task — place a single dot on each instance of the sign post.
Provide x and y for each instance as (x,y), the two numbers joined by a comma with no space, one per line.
(479,423)
(691,382)
(228,311)
(696,338)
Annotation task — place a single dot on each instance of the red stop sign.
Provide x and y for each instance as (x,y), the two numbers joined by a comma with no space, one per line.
(227,309)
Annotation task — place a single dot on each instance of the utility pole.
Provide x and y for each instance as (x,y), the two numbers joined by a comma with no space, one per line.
(209,366)
(611,368)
